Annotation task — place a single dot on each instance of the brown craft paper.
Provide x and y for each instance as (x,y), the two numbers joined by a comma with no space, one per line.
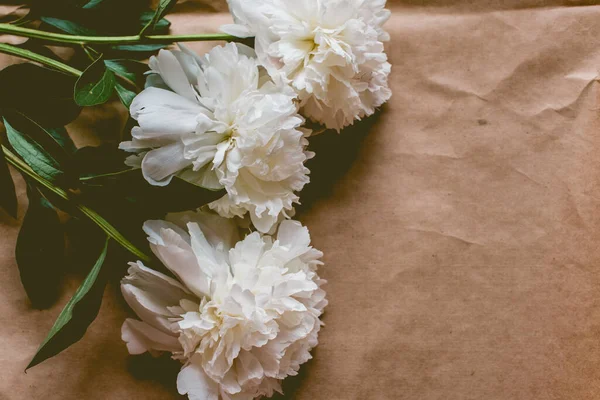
(460,226)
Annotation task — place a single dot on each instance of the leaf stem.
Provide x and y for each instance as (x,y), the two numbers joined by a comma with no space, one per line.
(110,40)
(30,55)
(88,212)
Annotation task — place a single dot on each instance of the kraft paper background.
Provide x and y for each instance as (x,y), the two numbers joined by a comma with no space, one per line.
(460,226)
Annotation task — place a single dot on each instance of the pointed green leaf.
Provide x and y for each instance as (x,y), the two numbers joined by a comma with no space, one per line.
(125,95)
(163,7)
(162,26)
(78,314)
(131,70)
(62,138)
(92,4)
(40,250)
(70,27)
(55,141)
(95,86)
(34,154)
(8,197)
(139,47)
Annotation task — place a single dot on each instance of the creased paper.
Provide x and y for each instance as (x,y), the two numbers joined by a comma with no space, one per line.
(460,226)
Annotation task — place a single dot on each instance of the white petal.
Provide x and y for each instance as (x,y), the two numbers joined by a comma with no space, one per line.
(236,30)
(245,255)
(189,65)
(150,294)
(248,368)
(159,165)
(174,75)
(245,50)
(177,255)
(210,259)
(141,337)
(150,308)
(293,234)
(164,112)
(205,177)
(155,282)
(264,222)
(153,228)
(196,384)
(216,230)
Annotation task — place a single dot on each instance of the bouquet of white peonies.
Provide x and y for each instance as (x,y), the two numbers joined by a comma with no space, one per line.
(213,165)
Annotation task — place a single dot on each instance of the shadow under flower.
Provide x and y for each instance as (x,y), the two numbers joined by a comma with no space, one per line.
(161,369)
(292,384)
(335,155)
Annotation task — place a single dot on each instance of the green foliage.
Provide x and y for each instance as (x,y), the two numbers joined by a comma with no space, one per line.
(67,26)
(91,4)
(32,152)
(141,48)
(131,70)
(98,18)
(40,250)
(95,86)
(62,138)
(78,314)
(92,184)
(125,95)
(163,7)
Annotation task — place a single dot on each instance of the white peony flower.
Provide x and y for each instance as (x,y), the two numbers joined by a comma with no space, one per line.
(330,51)
(220,122)
(241,315)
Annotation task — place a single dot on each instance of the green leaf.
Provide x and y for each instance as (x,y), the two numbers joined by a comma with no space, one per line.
(8,197)
(81,208)
(34,154)
(44,95)
(55,141)
(78,314)
(139,47)
(70,27)
(162,26)
(62,138)
(95,86)
(40,250)
(125,95)
(163,7)
(101,179)
(131,70)
(92,4)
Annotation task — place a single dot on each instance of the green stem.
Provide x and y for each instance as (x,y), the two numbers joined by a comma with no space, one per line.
(88,212)
(30,55)
(112,40)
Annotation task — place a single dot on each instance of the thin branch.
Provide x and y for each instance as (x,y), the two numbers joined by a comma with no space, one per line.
(61,38)
(30,55)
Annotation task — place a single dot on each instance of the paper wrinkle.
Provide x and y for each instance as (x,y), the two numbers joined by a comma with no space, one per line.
(446,235)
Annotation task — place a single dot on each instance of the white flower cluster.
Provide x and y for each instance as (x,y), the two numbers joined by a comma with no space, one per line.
(242,313)
(220,122)
(329,51)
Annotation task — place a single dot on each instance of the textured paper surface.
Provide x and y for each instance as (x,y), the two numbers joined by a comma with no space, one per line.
(461,226)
